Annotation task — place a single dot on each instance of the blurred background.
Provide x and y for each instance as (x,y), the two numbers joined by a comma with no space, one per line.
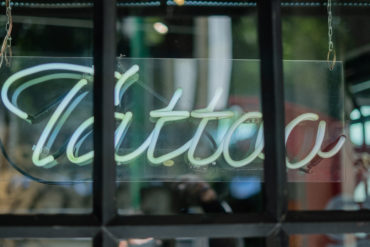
(198,46)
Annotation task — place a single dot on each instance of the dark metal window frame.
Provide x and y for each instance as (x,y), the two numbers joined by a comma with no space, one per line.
(105,226)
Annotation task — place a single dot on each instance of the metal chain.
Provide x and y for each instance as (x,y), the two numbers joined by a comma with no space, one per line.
(6,48)
(331,57)
(330,26)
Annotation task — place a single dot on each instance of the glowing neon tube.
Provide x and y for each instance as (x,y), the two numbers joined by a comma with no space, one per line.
(167,115)
(49,126)
(132,71)
(81,159)
(206,115)
(42,79)
(318,142)
(164,115)
(334,150)
(87,157)
(63,119)
(247,160)
(39,68)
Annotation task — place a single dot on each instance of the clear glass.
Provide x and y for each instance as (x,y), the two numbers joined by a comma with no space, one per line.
(329,240)
(43,34)
(182,125)
(305,32)
(200,59)
(314,131)
(43,103)
(192,159)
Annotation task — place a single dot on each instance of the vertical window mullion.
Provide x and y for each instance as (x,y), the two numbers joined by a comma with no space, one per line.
(270,46)
(104,170)
(277,239)
(105,239)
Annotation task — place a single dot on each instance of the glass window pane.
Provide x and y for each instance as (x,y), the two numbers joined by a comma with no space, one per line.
(45,97)
(336,98)
(203,73)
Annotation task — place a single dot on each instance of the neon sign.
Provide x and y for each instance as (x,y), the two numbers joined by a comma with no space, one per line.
(168,114)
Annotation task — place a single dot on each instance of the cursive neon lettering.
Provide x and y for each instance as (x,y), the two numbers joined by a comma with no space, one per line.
(206,115)
(162,116)
(258,149)
(167,115)
(49,160)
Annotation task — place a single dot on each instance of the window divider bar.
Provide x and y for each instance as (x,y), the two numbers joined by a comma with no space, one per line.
(329,221)
(195,219)
(328,216)
(38,220)
(48,231)
(271,68)
(193,231)
(339,227)
(278,238)
(104,169)
(105,239)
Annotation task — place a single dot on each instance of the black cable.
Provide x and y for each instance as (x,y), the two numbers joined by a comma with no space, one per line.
(36,179)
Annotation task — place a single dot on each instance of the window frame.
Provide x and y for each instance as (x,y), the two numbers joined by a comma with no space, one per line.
(105,226)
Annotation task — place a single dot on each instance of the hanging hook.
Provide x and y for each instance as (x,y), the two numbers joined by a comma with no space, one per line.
(331,59)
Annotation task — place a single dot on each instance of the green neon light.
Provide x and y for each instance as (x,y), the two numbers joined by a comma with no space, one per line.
(163,116)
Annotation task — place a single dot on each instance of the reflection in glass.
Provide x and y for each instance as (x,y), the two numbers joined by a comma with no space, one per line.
(155,157)
(169,133)
(202,49)
(189,145)
(306,37)
(43,100)
(329,240)
(65,31)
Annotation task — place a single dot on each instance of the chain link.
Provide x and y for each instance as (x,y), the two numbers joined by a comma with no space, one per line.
(330,24)
(6,48)
(331,57)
